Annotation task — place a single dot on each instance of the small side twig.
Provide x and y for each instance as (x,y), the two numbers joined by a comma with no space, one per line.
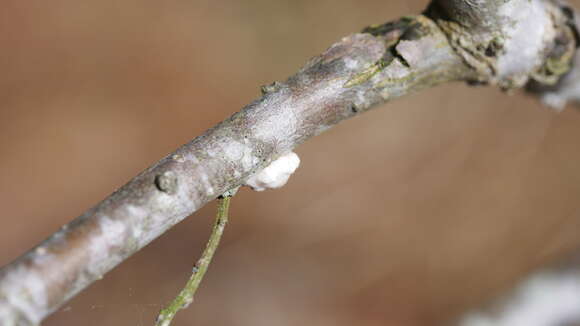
(185,296)
(506,43)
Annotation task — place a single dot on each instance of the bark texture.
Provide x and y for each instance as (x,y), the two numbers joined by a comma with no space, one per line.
(453,41)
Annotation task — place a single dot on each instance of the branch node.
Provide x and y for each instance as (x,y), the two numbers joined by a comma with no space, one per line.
(166,182)
(271,88)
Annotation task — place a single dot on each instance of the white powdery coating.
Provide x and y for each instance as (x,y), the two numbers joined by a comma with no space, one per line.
(558,100)
(544,300)
(112,235)
(137,229)
(567,90)
(276,174)
(351,63)
(241,153)
(26,291)
(526,39)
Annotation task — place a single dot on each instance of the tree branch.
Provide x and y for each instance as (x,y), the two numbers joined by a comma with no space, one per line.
(510,43)
(185,296)
(352,76)
(547,297)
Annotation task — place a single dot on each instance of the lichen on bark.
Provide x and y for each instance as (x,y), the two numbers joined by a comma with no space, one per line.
(508,43)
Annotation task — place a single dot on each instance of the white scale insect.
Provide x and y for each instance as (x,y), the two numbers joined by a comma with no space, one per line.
(276,174)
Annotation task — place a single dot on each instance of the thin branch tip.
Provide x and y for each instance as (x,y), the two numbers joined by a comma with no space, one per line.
(186,295)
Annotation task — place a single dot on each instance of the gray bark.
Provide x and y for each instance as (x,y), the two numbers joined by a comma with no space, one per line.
(454,41)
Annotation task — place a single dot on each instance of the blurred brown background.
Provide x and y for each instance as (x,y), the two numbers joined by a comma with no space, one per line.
(404,216)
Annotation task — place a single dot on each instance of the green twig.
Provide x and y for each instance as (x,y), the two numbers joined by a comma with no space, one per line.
(185,297)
